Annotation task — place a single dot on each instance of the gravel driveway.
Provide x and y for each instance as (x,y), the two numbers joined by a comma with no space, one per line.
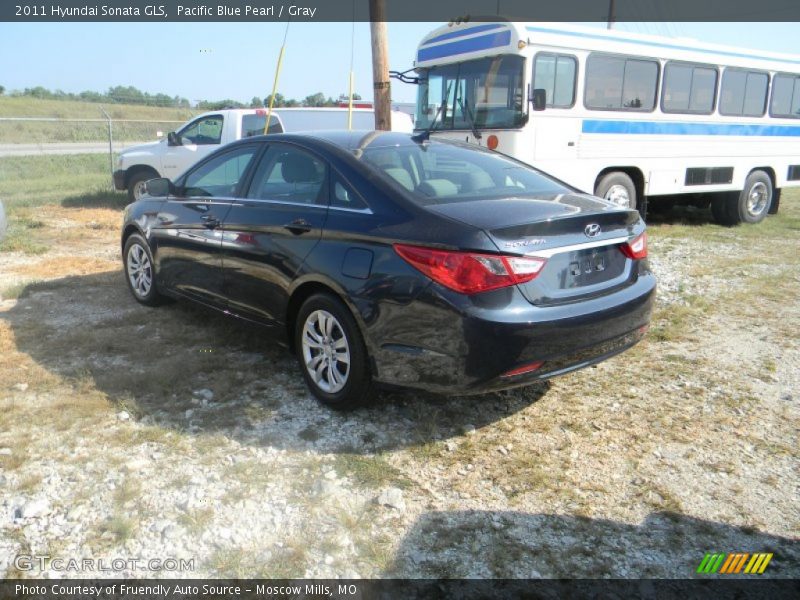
(128,432)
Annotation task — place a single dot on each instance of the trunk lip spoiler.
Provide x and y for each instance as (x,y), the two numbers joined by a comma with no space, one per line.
(549,252)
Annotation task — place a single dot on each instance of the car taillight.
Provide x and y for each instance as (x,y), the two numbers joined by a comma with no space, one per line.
(468,272)
(635,248)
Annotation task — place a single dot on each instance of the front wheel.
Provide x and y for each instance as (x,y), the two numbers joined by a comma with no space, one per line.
(137,184)
(331,353)
(140,271)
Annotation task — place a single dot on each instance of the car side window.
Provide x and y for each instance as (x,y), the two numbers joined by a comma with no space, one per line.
(203,132)
(219,176)
(344,196)
(288,174)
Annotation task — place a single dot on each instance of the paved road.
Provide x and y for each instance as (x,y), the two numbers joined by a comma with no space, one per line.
(62,148)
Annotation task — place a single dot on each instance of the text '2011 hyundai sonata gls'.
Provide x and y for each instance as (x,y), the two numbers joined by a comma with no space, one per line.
(384,258)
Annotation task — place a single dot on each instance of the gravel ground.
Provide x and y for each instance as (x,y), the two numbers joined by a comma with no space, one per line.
(134,433)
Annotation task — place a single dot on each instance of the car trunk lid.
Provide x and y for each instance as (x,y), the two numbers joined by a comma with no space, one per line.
(579,235)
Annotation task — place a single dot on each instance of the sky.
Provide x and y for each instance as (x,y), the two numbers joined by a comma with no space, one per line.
(215,61)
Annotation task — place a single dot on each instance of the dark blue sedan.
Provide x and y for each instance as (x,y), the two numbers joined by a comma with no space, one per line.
(383,258)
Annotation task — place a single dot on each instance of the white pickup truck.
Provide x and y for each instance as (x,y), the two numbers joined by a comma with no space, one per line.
(202,135)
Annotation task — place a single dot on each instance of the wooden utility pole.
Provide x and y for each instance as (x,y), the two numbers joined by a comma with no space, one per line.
(380,65)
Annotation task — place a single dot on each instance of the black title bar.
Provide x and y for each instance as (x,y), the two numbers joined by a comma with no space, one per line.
(399,10)
(388,589)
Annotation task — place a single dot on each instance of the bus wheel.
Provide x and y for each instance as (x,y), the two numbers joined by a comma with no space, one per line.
(617,188)
(754,200)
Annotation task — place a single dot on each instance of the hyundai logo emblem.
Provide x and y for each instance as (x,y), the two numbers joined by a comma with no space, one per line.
(592,230)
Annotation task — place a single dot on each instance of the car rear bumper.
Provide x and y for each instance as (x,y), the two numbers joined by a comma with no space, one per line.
(119,180)
(451,344)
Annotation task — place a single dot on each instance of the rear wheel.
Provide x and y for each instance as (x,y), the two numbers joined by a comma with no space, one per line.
(776,202)
(618,188)
(332,354)
(720,208)
(755,199)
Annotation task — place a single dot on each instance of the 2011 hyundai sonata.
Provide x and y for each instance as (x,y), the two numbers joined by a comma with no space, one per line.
(384,258)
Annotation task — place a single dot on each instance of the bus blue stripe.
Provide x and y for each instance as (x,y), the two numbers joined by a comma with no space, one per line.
(678,128)
(463,32)
(483,42)
(662,45)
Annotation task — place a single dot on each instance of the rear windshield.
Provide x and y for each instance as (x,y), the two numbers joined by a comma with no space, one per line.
(436,172)
(254,125)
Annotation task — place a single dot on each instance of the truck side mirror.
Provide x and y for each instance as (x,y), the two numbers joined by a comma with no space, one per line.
(539,99)
(173,139)
(160,187)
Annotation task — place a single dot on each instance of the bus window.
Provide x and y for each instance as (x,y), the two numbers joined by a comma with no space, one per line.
(620,83)
(785,96)
(555,73)
(744,93)
(485,92)
(689,88)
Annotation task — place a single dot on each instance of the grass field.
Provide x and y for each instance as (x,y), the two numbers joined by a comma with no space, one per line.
(162,119)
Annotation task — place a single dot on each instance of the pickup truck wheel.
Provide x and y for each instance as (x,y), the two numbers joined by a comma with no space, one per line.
(136,184)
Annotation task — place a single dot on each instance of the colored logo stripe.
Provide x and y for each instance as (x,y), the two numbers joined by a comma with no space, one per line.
(463,32)
(711,563)
(758,564)
(732,564)
(483,42)
(678,128)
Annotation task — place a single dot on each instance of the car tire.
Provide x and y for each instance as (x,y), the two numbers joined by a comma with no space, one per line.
(139,270)
(331,353)
(618,188)
(136,184)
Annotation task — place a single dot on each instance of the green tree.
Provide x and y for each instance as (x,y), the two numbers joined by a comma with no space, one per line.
(279,100)
(219,104)
(256,102)
(317,99)
(2,90)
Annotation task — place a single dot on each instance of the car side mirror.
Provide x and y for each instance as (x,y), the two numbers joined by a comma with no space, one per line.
(173,139)
(539,99)
(160,187)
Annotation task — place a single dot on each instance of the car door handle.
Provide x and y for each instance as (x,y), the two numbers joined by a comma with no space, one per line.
(298,226)
(210,221)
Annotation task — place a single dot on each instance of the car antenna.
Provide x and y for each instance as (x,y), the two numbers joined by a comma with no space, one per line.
(424,136)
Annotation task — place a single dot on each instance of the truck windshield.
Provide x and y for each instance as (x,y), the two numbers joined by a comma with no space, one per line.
(487,92)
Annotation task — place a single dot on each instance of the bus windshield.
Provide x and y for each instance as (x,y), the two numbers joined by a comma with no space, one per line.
(486,92)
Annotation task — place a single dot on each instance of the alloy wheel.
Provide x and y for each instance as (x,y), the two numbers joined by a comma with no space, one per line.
(140,271)
(326,352)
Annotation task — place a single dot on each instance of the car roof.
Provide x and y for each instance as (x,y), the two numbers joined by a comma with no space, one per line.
(348,140)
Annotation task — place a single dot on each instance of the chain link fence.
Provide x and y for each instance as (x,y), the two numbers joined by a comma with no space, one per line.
(38,136)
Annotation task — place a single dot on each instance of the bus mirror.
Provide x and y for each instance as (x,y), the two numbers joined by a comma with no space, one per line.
(539,99)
